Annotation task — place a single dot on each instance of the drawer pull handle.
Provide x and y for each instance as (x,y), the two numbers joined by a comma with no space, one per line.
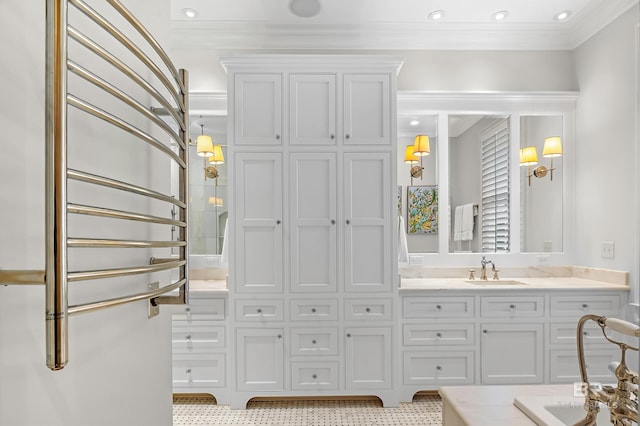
(188,337)
(348,222)
(367,310)
(187,310)
(438,335)
(438,368)
(585,333)
(314,376)
(259,310)
(188,373)
(313,342)
(512,307)
(313,310)
(278,222)
(485,332)
(279,336)
(585,306)
(348,334)
(438,307)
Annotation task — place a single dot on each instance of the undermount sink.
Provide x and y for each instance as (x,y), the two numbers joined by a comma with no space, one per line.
(557,410)
(495,282)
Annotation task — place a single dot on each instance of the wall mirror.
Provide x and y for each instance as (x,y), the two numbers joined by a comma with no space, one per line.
(417,194)
(208,202)
(479,208)
(541,183)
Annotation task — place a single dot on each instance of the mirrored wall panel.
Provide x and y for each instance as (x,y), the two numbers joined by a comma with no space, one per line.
(417,192)
(479,184)
(208,206)
(541,183)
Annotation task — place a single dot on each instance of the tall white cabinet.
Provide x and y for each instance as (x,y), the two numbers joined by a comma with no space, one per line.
(312,279)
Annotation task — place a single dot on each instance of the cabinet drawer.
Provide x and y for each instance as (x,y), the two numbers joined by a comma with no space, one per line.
(564,367)
(259,310)
(437,307)
(198,371)
(314,310)
(441,368)
(566,333)
(207,309)
(512,307)
(367,309)
(314,341)
(187,337)
(576,306)
(314,375)
(445,334)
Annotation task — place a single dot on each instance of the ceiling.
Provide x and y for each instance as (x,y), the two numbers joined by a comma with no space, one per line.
(390,24)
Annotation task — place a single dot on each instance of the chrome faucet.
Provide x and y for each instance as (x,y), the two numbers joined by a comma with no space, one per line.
(483,263)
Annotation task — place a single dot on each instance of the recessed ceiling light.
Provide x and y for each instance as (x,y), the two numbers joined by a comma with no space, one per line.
(190,13)
(304,8)
(562,16)
(499,16)
(436,15)
(414,122)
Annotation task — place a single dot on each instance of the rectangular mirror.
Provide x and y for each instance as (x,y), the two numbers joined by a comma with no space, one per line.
(208,206)
(417,193)
(541,183)
(479,147)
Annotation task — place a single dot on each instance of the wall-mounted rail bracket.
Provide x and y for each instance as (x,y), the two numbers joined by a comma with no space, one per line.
(154,309)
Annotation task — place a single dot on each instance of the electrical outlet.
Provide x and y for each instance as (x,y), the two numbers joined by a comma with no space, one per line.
(547,246)
(607,250)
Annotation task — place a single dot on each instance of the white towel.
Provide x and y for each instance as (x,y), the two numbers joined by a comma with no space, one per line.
(224,253)
(403,248)
(463,226)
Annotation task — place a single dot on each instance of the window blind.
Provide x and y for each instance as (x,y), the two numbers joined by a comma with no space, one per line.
(495,188)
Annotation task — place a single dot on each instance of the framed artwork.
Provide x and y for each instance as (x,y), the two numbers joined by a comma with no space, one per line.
(399,196)
(422,209)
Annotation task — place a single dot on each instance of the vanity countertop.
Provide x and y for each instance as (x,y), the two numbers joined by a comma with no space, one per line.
(208,285)
(521,279)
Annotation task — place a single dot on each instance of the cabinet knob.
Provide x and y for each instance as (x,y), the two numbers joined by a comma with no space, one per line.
(438,307)
(438,335)
(259,310)
(278,222)
(333,221)
(438,368)
(585,333)
(187,309)
(347,136)
(332,136)
(313,310)
(485,332)
(512,307)
(188,373)
(314,376)
(348,334)
(279,336)
(585,306)
(313,342)
(188,337)
(348,222)
(277,137)
(367,310)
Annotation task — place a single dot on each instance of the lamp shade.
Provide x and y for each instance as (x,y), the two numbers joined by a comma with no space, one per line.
(552,147)
(204,146)
(216,201)
(409,156)
(217,157)
(421,145)
(528,156)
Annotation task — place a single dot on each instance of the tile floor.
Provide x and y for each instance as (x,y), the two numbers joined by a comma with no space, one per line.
(426,409)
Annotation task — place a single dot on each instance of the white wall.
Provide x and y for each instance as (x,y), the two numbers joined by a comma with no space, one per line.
(606,147)
(119,370)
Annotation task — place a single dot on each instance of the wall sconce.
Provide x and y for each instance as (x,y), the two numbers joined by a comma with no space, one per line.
(420,148)
(412,159)
(529,157)
(216,158)
(204,144)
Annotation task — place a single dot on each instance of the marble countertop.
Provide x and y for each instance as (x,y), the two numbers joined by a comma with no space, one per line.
(559,283)
(208,285)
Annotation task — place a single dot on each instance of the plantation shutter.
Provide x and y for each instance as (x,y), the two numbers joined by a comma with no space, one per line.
(495,188)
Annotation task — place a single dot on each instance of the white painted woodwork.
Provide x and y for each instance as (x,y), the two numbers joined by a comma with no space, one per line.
(368,357)
(438,368)
(312,102)
(258,244)
(260,359)
(313,222)
(258,112)
(367,118)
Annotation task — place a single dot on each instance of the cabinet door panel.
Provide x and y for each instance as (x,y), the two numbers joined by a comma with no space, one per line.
(368,358)
(367,222)
(260,359)
(313,222)
(258,248)
(512,353)
(443,368)
(312,118)
(366,109)
(258,109)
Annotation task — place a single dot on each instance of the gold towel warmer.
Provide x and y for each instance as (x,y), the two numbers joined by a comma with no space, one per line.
(56,276)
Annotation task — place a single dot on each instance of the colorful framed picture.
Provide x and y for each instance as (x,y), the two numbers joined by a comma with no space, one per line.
(422,209)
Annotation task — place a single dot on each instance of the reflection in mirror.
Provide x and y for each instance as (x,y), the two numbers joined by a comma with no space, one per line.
(479,184)
(541,183)
(417,184)
(207,188)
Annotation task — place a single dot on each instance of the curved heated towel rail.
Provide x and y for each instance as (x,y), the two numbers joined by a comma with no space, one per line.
(164,112)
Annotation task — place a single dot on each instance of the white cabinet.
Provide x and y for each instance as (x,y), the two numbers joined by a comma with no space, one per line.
(257,113)
(260,359)
(368,358)
(258,245)
(199,342)
(313,114)
(511,353)
(367,119)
